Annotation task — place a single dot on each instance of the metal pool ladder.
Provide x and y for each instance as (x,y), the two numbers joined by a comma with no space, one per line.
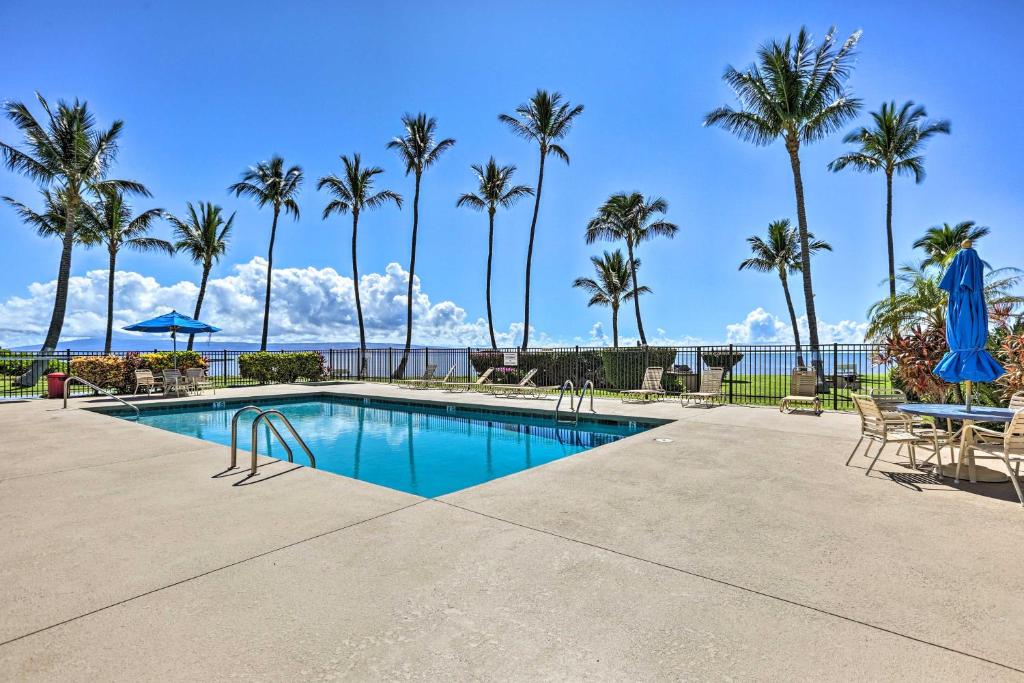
(76,378)
(579,404)
(265,416)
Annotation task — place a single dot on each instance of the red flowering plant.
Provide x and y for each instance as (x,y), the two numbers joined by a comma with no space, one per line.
(913,357)
(1007,344)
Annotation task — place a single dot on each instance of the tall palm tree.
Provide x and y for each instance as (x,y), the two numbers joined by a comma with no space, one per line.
(419,150)
(893,145)
(111,223)
(796,91)
(779,252)
(613,285)
(494,189)
(941,242)
(544,119)
(67,150)
(353,191)
(268,182)
(630,217)
(203,235)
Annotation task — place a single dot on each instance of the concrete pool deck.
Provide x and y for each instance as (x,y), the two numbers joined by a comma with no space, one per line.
(742,548)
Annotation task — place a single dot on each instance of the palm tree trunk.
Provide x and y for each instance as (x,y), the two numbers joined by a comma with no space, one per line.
(270,271)
(400,370)
(888,234)
(793,147)
(110,302)
(60,299)
(636,298)
(355,287)
(199,299)
(529,250)
(792,317)
(490,257)
(615,326)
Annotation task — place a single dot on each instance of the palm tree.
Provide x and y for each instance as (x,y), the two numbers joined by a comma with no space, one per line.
(66,150)
(613,285)
(110,223)
(203,235)
(418,150)
(544,119)
(892,145)
(941,242)
(780,253)
(628,217)
(796,91)
(494,189)
(269,183)
(354,192)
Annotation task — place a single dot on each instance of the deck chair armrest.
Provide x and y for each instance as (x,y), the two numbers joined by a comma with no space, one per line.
(985,431)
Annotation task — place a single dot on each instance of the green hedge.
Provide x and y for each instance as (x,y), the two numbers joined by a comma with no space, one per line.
(166,360)
(624,368)
(553,367)
(118,372)
(268,367)
(107,372)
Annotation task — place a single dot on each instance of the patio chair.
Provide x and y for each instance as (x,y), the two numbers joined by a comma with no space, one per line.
(417,382)
(459,387)
(888,399)
(710,391)
(197,380)
(1017,401)
(650,388)
(1007,445)
(436,384)
(803,390)
(144,380)
(898,429)
(173,381)
(525,387)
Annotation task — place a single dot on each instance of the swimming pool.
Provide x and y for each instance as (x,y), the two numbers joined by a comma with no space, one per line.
(428,450)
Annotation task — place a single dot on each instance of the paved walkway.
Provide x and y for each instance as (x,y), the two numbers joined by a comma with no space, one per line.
(742,548)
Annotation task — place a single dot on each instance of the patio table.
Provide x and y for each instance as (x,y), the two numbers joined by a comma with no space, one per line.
(953,411)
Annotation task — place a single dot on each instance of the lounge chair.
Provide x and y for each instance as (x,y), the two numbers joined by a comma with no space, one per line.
(710,391)
(197,380)
(437,384)
(145,381)
(650,388)
(415,383)
(481,382)
(803,390)
(1007,445)
(886,429)
(525,387)
(173,381)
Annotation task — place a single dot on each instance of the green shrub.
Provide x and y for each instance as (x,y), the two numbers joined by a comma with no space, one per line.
(106,372)
(624,368)
(722,359)
(167,360)
(553,367)
(268,367)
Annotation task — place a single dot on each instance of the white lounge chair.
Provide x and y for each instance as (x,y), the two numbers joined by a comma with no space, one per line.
(650,388)
(803,390)
(482,382)
(418,382)
(174,381)
(525,387)
(197,380)
(145,381)
(710,391)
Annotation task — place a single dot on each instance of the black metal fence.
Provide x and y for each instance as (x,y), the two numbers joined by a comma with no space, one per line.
(755,374)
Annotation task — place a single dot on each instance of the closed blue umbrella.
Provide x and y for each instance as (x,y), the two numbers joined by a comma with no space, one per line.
(172,322)
(967,323)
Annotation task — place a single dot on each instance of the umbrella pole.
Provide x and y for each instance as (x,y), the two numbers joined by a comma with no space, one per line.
(969,386)
(174,340)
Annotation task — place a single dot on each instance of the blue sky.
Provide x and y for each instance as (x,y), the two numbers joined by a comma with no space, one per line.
(207,88)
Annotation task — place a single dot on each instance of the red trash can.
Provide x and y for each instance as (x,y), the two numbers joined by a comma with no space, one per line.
(55,385)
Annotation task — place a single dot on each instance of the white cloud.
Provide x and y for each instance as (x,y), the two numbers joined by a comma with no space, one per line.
(762,327)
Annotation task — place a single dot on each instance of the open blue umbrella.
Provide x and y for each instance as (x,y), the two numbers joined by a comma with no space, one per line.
(172,322)
(966,323)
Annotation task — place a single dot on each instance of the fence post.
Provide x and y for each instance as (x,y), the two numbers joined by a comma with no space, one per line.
(67,352)
(835,376)
(391,368)
(700,366)
(731,366)
(469,373)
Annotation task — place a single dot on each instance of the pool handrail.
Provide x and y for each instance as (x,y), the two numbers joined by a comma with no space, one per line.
(76,378)
(234,435)
(265,415)
(567,384)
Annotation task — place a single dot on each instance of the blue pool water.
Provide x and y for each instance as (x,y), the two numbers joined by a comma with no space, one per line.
(418,448)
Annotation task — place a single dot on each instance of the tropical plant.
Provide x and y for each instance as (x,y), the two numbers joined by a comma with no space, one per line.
(68,151)
(203,236)
(912,356)
(613,285)
(796,91)
(268,182)
(779,252)
(940,243)
(630,217)
(419,150)
(353,191)
(494,190)
(111,223)
(893,145)
(544,119)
